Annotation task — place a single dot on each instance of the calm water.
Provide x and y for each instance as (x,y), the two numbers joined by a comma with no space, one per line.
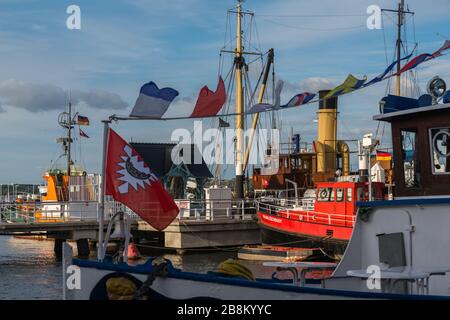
(29,270)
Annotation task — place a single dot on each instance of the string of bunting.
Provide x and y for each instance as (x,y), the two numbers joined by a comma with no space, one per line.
(153,102)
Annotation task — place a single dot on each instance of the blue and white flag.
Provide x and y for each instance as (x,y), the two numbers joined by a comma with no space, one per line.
(299,99)
(153,102)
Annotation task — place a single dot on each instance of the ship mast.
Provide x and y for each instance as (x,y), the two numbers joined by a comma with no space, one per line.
(399,44)
(65,120)
(239,64)
(400,22)
(69,136)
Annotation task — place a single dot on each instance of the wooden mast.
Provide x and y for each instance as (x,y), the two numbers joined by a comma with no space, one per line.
(239,64)
(400,11)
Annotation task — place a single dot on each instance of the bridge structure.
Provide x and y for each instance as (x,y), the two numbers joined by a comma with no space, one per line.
(63,221)
(200,224)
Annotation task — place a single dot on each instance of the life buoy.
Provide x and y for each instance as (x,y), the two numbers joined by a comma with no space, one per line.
(323,194)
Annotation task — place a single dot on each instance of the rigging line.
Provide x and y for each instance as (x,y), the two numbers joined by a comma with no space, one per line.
(382,133)
(385,46)
(250,38)
(315,29)
(378,127)
(312,15)
(260,57)
(255,60)
(229,89)
(257,83)
(54,163)
(251,46)
(250,29)
(257,34)
(443,36)
(391,17)
(226,29)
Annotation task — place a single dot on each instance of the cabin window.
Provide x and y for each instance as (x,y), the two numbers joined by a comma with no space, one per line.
(440,150)
(349,194)
(339,194)
(411,167)
(325,195)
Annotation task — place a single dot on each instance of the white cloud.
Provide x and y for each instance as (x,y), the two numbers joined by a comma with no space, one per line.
(37,97)
(315,84)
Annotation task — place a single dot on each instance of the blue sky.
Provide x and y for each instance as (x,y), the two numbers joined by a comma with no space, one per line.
(123,44)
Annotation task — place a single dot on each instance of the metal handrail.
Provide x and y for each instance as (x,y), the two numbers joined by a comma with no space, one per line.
(316,215)
(194,209)
(88,210)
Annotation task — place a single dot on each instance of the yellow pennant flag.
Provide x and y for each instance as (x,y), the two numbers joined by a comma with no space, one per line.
(350,84)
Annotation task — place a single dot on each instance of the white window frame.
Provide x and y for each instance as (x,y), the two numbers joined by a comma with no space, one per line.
(430,138)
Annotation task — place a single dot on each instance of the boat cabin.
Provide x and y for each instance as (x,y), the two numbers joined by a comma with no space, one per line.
(421,144)
(340,197)
(296,167)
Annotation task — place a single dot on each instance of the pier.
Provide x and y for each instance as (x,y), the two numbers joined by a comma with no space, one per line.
(201,224)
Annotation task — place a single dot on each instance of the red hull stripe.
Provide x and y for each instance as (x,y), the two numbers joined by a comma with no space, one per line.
(302,228)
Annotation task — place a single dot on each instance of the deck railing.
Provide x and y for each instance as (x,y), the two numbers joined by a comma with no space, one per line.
(41,212)
(211,210)
(302,214)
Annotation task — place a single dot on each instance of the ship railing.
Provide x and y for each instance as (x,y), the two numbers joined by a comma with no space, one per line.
(299,214)
(275,193)
(42,212)
(213,210)
(13,212)
(306,203)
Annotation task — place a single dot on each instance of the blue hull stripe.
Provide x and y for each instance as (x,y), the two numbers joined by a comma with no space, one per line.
(178,274)
(402,202)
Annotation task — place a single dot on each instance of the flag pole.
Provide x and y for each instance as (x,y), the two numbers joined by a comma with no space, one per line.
(101,212)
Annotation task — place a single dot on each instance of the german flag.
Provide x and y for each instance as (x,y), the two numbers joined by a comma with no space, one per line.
(83,121)
(383,156)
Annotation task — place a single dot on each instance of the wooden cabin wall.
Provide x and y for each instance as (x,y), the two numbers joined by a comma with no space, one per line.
(431,184)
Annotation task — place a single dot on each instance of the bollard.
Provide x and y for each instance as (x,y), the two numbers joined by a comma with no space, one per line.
(83,247)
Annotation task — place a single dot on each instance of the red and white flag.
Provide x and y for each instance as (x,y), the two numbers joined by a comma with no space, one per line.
(83,134)
(130,181)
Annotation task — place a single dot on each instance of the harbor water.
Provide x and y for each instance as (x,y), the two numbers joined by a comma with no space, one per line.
(29,269)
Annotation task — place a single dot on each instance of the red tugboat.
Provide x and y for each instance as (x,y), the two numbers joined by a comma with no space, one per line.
(323,220)
(324,214)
